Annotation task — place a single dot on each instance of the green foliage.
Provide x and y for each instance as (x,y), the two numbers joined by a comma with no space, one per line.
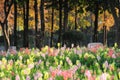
(73,37)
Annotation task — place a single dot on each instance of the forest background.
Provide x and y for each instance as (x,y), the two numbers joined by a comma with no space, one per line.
(36,23)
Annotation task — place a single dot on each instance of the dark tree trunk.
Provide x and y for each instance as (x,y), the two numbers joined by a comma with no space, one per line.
(105,31)
(95,36)
(75,17)
(117,21)
(60,21)
(15,23)
(52,23)
(4,23)
(65,22)
(118,28)
(6,36)
(36,22)
(42,22)
(26,16)
(42,16)
(65,15)
(105,36)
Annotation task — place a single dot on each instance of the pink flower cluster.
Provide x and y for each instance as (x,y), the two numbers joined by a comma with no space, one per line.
(89,75)
(53,52)
(68,60)
(111,53)
(37,75)
(66,74)
(25,50)
(94,47)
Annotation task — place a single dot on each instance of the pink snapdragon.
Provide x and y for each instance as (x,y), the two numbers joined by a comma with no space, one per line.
(17,77)
(89,75)
(31,65)
(53,52)
(103,76)
(111,53)
(66,74)
(12,51)
(54,73)
(68,61)
(28,78)
(27,51)
(106,64)
(37,75)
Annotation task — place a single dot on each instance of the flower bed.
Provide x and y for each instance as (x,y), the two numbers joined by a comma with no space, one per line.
(63,63)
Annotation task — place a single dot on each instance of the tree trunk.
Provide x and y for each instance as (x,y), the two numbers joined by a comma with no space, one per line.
(118,26)
(60,21)
(26,16)
(6,37)
(42,16)
(52,23)
(117,21)
(105,31)
(42,22)
(5,28)
(95,36)
(75,17)
(4,23)
(36,22)
(65,15)
(105,36)
(15,23)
